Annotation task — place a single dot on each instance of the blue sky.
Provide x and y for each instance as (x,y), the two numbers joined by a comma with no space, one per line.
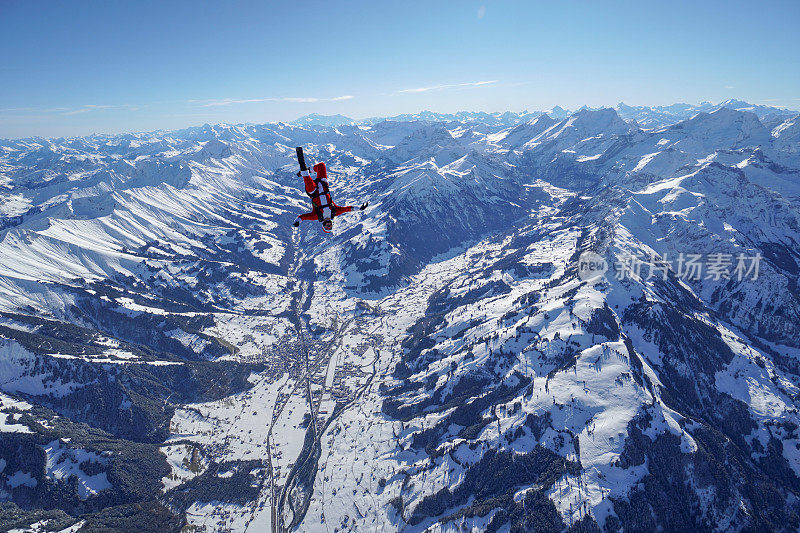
(72,68)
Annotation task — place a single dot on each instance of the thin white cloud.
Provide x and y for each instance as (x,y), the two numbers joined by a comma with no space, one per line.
(98,107)
(448,86)
(729,87)
(76,111)
(34,109)
(481,12)
(294,99)
(30,111)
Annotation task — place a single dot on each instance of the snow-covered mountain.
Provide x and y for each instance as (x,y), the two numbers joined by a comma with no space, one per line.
(644,116)
(656,116)
(506,118)
(173,352)
(315,119)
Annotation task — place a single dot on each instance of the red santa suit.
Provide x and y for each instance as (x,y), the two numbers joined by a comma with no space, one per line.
(317,189)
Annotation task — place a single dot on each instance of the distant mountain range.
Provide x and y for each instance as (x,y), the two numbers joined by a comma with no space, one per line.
(646,116)
(514,335)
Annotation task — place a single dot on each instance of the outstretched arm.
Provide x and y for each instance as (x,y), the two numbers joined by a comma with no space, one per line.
(342,209)
(347,208)
(305,216)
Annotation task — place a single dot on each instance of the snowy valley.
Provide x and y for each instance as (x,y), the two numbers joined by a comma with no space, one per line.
(174,354)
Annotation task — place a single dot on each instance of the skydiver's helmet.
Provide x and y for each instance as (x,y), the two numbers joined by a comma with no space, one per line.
(327,225)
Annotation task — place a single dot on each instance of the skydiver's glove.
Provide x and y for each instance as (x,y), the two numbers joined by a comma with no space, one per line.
(364,206)
(296,223)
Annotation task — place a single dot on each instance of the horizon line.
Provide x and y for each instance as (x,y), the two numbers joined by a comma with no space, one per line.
(360,121)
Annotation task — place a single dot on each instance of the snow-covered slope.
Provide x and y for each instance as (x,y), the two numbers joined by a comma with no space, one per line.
(174,352)
(658,116)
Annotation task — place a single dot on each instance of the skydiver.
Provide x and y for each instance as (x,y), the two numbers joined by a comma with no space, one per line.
(324,209)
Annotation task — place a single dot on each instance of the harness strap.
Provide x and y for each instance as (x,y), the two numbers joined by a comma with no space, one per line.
(323,195)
